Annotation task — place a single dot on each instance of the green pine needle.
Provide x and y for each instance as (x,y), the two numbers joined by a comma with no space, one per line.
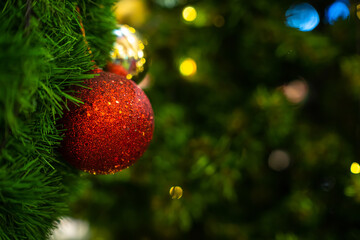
(38,66)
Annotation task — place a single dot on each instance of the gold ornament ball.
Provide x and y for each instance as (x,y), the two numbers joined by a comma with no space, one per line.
(176,192)
(129,54)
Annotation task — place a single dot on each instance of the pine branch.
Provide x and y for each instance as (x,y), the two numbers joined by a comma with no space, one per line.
(40,59)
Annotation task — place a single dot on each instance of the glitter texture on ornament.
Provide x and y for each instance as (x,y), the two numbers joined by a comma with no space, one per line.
(113,127)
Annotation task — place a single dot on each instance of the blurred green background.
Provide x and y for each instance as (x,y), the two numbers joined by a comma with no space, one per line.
(261,135)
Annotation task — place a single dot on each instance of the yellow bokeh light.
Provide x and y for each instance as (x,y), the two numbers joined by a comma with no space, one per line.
(189,13)
(176,192)
(355,168)
(358,11)
(188,67)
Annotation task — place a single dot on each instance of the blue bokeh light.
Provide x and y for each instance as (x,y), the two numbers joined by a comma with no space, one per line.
(302,16)
(337,10)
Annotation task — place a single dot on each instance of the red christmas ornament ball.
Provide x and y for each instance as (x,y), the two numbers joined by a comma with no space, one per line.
(117,69)
(112,129)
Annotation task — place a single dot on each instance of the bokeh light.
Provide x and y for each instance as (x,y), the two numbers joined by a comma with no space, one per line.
(296,91)
(168,3)
(69,228)
(302,16)
(218,21)
(176,192)
(189,13)
(335,11)
(355,168)
(279,160)
(188,67)
(133,12)
(358,11)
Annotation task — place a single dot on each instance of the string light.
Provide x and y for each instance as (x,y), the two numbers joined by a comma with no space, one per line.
(189,13)
(279,160)
(176,192)
(70,228)
(296,91)
(302,16)
(188,67)
(337,10)
(355,168)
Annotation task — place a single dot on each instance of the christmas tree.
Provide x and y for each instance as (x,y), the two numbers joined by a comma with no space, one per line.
(256,123)
(43,52)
